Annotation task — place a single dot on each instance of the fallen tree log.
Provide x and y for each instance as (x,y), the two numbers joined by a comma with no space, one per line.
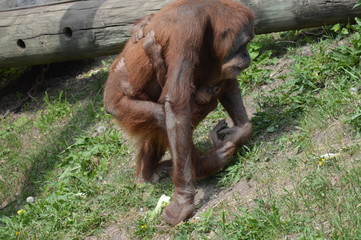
(74,29)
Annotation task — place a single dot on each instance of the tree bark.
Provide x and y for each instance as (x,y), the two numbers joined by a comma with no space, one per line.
(74,29)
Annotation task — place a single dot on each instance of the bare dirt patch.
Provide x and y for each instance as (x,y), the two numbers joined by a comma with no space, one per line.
(335,136)
(112,232)
(244,190)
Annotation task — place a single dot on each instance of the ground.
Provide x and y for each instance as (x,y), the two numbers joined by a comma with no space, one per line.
(298,177)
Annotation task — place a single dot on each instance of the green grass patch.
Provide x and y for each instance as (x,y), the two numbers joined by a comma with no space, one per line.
(303,160)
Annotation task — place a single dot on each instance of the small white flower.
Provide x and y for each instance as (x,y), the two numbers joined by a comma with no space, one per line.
(30,199)
(354,90)
(328,156)
(101,129)
(80,194)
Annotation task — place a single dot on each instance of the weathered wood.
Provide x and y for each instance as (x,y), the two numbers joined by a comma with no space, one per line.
(79,29)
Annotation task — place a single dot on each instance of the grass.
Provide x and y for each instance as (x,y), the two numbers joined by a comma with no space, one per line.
(63,150)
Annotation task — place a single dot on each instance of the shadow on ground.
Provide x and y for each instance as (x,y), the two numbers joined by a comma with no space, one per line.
(57,79)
